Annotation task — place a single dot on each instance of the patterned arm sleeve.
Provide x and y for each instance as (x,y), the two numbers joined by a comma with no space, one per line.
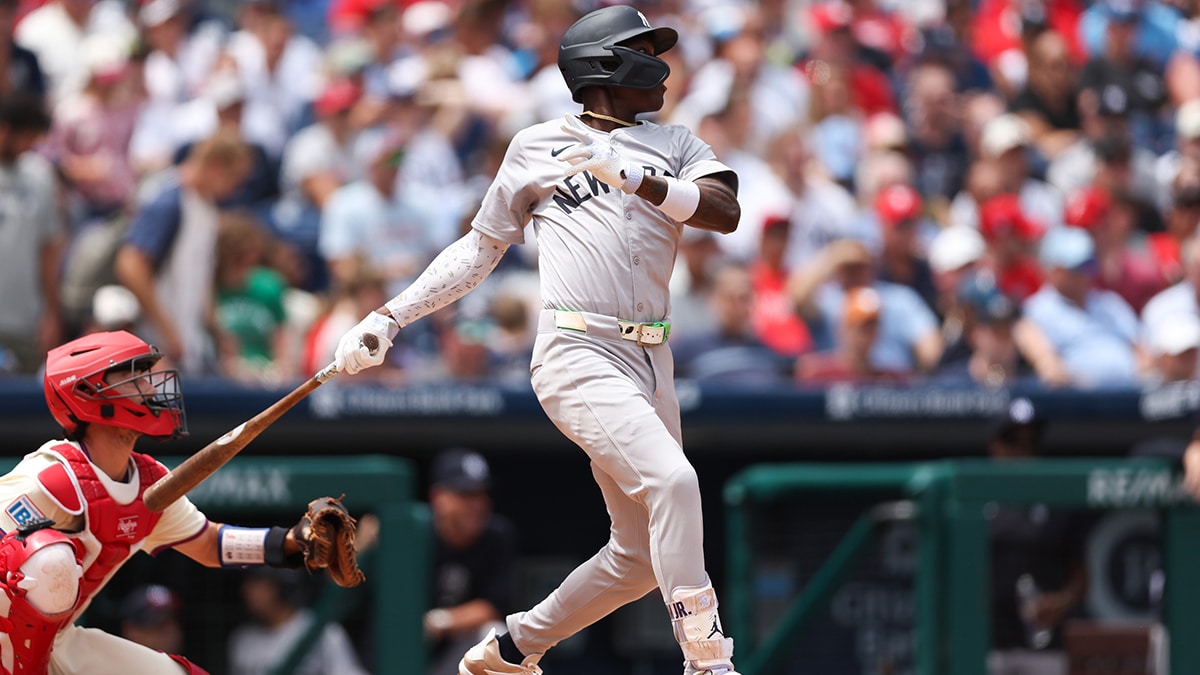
(453,273)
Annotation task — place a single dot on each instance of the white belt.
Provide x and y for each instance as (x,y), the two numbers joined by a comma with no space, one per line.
(646,334)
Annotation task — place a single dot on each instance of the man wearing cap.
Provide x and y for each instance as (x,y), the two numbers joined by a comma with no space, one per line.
(1006,140)
(850,359)
(150,617)
(1130,272)
(1183,298)
(474,556)
(1010,236)
(1107,150)
(987,354)
(1172,345)
(1039,573)
(900,210)
(1072,332)
(909,339)
(1187,145)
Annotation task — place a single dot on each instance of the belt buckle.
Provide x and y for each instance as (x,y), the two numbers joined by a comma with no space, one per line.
(645,334)
(653,334)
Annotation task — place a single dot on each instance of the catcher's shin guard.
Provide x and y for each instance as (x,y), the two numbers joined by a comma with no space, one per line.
(484,659)
(697,626)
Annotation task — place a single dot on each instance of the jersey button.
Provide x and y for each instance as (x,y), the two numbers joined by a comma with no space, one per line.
(637,260)
(628,215)
(640,307)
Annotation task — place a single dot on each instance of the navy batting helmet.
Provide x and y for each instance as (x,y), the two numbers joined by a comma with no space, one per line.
(592,52)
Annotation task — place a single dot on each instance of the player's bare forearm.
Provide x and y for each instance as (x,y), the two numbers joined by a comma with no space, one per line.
(718,210)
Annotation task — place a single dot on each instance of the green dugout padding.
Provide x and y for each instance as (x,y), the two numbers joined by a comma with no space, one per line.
(396,567)
(947,500)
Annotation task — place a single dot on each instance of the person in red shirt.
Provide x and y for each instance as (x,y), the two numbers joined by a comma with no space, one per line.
(1010,236)
(772,315)
(1182,219)
(837,53)
(1131,274)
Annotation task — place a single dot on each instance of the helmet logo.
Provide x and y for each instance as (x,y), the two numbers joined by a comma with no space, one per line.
(645,21)
(66,380)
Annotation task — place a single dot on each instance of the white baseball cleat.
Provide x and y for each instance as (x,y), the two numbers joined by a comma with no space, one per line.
(484,659)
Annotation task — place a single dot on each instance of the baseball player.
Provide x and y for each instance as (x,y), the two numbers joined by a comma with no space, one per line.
(73,512)
(608,196)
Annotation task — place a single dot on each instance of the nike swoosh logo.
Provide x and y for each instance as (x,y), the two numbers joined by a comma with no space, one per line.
(556,153)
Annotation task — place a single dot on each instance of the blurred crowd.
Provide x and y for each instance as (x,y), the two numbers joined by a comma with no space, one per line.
(952,191)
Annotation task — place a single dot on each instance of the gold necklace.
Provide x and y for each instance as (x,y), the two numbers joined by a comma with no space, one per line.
(598,116)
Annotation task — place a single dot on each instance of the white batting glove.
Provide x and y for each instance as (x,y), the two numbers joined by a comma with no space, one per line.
(352,355)
(598,157)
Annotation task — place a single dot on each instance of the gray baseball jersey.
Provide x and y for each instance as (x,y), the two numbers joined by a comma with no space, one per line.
(600,250)
(605,256)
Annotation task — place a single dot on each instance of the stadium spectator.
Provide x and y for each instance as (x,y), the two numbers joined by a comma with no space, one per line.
(1049,101)
(1011,238)
(1106,152)
(1172,345)
(367,220)
(955,254)
(851,359)
(821,211)
(251,320)
(316,162)
(1120,267)
(774,318)
(31,240)
(150,617)
(1151,25)
(1007,141)
(1166,248)
(1119,64)
(89,140)
(281,71)
(937,147)
(180,61)
(900,211)
(222,105)
(168,258)
(474,556)
(55,32)
(1187,145)
(1182,297)
(730,352)
(276,601)
(908,338)
(1039,574)
(989,357)
(1073,329)
(778,94)
(19,68)
(761,193)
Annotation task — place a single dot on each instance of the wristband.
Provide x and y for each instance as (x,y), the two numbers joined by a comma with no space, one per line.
(634,175)
(682,200)
(382,324)
(247,546)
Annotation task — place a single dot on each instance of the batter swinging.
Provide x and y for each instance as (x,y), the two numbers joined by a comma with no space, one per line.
(608,196)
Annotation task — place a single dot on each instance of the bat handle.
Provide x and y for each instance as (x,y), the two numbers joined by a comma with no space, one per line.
(368,340)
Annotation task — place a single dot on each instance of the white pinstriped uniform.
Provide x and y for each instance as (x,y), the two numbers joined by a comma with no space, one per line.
(609,256)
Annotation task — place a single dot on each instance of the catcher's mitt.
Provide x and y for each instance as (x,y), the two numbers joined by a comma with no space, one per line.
(326,537)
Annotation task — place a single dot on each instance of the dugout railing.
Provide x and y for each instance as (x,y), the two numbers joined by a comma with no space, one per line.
(396,564)
(947,501)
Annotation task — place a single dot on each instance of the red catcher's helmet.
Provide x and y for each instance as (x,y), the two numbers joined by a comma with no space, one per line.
(77,392)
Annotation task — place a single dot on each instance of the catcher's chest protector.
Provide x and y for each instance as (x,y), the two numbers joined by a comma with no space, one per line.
(112,529)
(27,634)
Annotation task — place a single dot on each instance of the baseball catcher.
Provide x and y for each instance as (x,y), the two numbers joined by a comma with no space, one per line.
(73,514)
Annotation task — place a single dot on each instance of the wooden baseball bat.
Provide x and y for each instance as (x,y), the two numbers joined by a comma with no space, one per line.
(193,470)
